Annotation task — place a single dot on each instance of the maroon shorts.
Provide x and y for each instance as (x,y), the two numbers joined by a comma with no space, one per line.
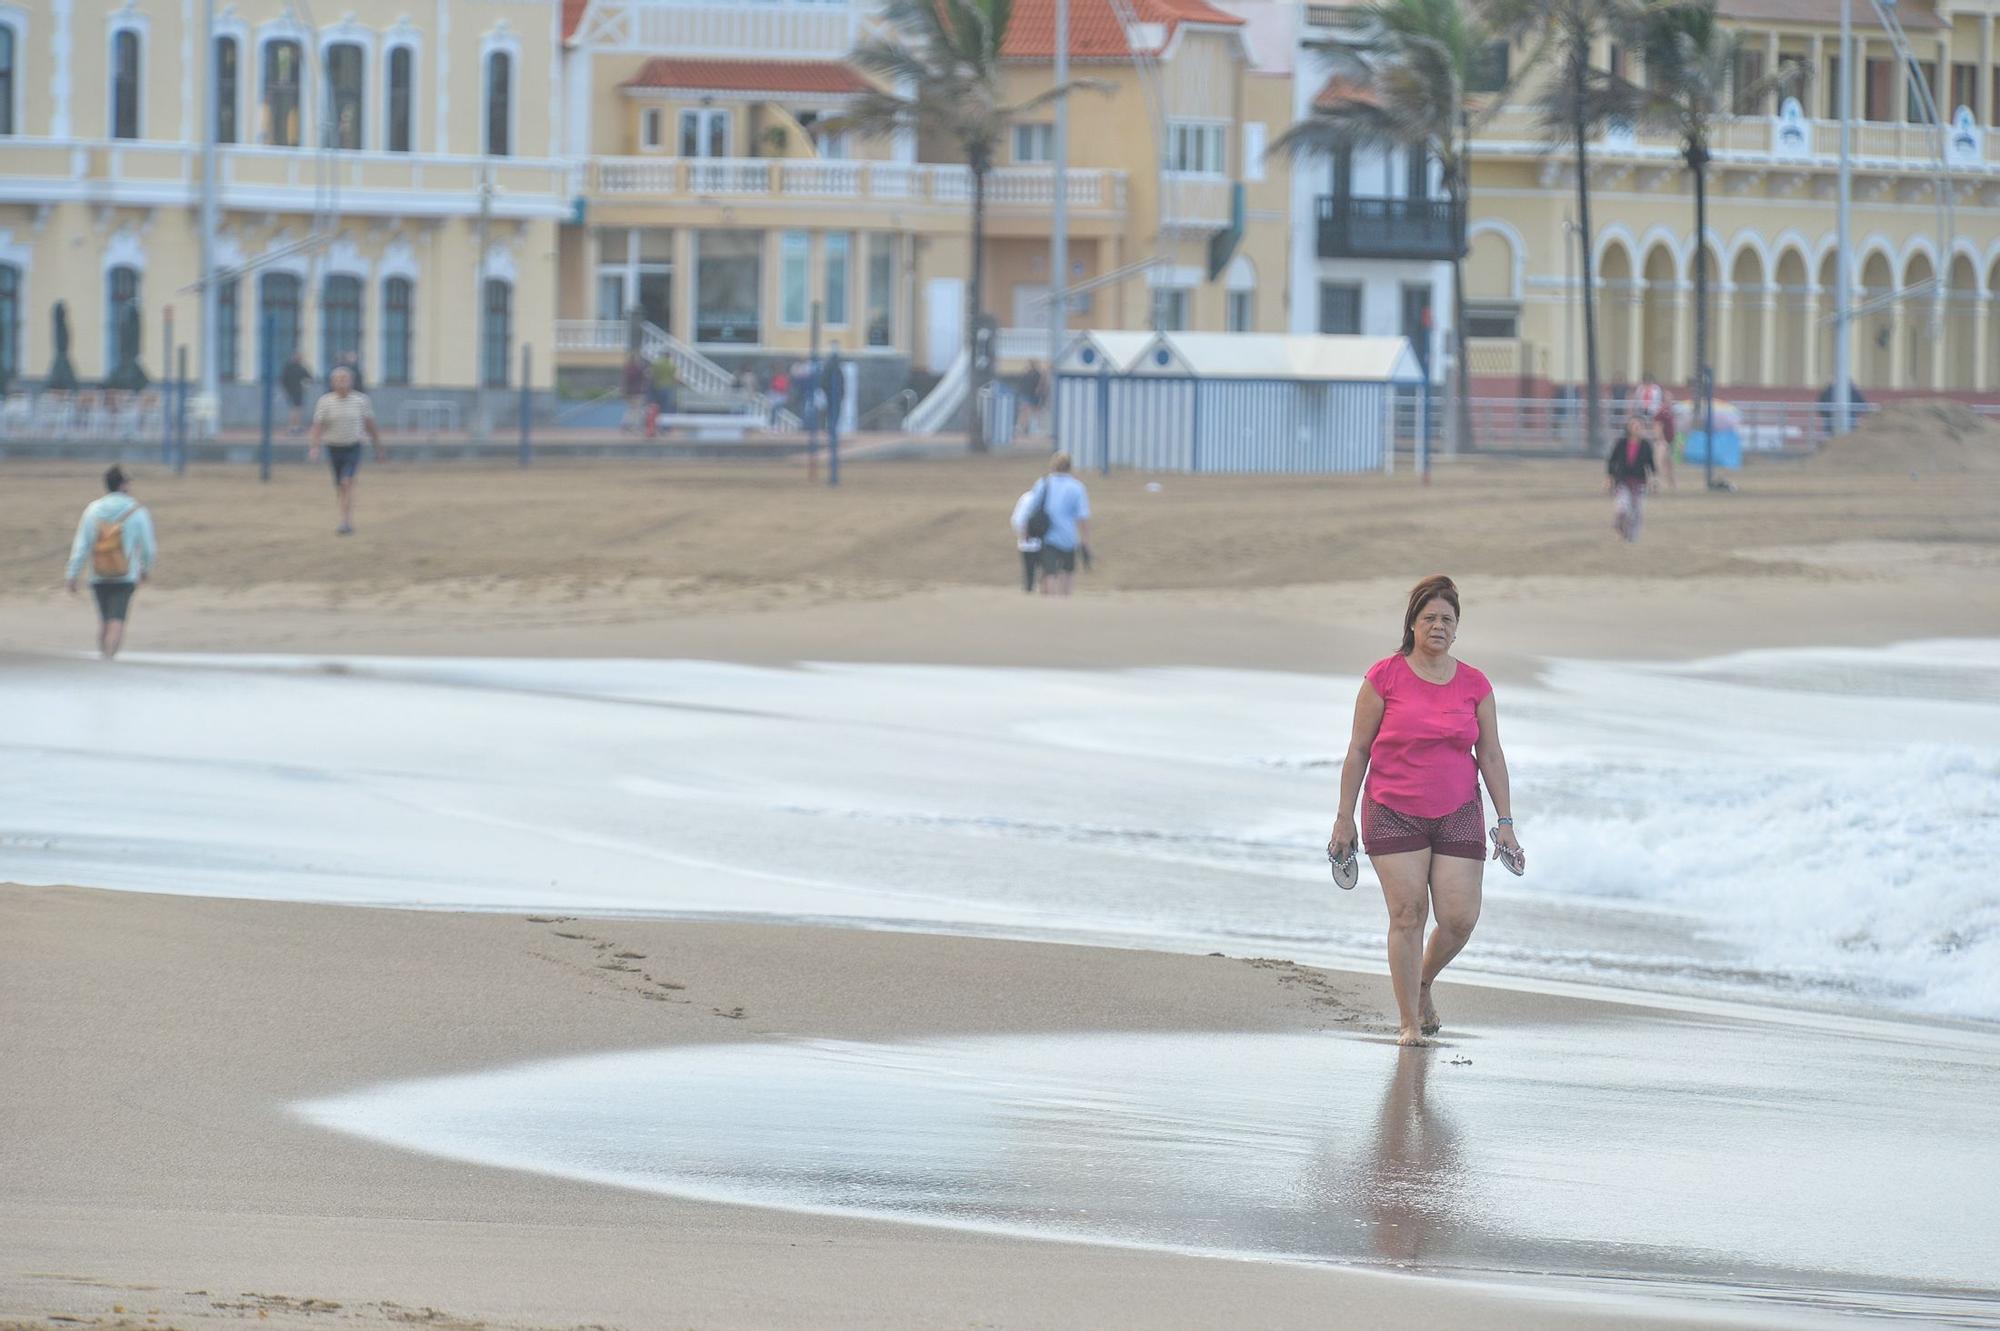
(1458,834)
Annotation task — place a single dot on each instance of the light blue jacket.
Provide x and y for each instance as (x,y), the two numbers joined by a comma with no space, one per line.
(140,551)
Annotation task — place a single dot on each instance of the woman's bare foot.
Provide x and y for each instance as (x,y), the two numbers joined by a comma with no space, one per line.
(1413,1039)
(1427,1014)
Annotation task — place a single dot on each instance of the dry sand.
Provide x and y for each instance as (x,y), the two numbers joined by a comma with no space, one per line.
(912,561)
(149,1044)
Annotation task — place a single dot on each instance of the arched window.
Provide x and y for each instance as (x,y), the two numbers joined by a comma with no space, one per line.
(496,333)
(281,94)
(402,99)
(228,330)
(10,324)
(228,55)
(396,295)
(277,321)
(499,103)
(344,96)
(339,319)
(123,319)
(125,55)
(10,45)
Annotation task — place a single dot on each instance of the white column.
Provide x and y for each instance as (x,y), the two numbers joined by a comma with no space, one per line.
(1982,304)
(1767,343)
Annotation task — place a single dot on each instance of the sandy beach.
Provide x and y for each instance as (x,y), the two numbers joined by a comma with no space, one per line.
(157,1167)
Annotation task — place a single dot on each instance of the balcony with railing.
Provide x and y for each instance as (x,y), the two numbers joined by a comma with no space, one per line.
(159,173)
(1762,140)
(703,180)
(1359,227)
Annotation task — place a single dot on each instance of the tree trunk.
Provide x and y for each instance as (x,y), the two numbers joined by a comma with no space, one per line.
(1697,158)
(1593,408)
(979,365)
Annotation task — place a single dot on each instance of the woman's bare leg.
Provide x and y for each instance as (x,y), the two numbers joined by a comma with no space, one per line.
(1406,887)
(1455,899)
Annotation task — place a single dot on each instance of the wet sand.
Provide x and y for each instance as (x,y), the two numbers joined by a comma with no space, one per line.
(154,1045)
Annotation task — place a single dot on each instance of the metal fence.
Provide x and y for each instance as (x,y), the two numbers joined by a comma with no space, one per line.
(1556,426)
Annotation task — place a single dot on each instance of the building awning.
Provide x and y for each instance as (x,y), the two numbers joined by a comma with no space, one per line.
(783,78)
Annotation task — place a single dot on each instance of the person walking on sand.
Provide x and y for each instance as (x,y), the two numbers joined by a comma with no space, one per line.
(1067,504)
(1425,733)
(293,378)
(632,383)
(115,538)
(1630,471)
(1029,543)
(1653,402)
(342,417)
(666,377)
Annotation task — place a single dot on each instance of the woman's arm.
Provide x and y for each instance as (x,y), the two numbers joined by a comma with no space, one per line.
(1492,761)
(1368,709)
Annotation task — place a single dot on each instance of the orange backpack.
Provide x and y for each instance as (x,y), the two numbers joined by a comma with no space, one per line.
(107,552)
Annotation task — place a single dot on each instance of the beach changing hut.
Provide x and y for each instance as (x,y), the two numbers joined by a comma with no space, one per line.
(1232,402)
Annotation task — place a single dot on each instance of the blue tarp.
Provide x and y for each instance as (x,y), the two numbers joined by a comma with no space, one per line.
(1728,448)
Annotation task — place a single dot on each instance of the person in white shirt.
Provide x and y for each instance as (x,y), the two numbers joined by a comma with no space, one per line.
(341,419)
(1029,546)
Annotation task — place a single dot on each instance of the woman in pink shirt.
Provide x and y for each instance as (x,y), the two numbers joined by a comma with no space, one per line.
(1425,732)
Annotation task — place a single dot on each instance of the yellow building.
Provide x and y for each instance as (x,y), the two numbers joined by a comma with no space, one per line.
(1925,230)
(723,202)
(436,185)
(359,163)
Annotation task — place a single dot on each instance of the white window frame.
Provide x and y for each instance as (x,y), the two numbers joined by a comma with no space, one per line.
(1248,297)
(17,20)
(1043,135)
(501,41)
(404,41)
(846,278)
(652,127)
(123,21)
(1213,138)
(703,117)
(794,247)
(1165,296)
(1255,144)
(247,74)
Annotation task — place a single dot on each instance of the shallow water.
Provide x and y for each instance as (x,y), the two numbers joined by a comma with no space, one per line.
(1817,826)
(1703,1159)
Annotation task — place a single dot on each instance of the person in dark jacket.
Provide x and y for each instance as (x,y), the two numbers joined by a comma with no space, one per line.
(1630,472)
(293,378)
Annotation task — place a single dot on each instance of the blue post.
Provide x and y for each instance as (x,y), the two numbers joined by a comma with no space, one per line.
(1104,420)
(270,387)
(181,416)
(527,403)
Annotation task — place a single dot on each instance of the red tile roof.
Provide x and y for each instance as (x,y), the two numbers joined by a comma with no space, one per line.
(1095,30)
(1340,89)
(572,16)
(786,76)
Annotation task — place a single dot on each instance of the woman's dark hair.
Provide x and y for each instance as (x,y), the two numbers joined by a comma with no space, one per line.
(1434,588)
(114,480)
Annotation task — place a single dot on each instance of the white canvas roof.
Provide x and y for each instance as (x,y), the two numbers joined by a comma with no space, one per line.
(1290,356)
(1088,353)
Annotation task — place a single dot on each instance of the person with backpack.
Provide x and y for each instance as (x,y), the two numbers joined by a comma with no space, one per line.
(115,538)
(1062,515)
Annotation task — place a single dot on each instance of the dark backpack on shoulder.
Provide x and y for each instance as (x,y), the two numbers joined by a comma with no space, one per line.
(1038,517)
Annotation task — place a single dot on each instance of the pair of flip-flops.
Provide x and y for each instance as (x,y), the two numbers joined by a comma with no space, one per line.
(1347,872)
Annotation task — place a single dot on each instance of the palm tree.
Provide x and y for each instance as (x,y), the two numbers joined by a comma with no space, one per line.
(1420,58)
(1691,62)
(946,54)
(1573,108)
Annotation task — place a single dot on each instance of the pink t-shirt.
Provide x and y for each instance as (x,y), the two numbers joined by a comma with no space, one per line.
(1421,763)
